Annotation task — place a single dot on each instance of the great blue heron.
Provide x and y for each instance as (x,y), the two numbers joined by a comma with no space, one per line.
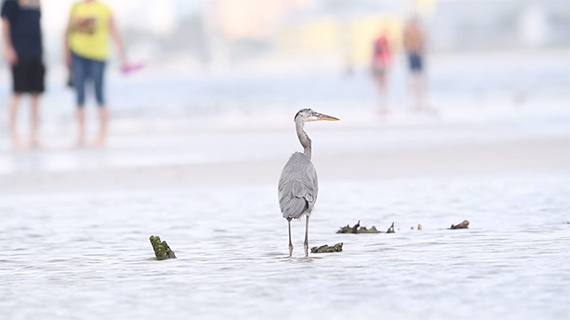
(298,184)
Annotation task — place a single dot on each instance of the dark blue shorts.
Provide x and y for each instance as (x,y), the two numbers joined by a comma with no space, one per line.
(416,63)
(85,71)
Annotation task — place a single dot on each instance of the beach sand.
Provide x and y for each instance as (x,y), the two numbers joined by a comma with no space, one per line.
(257,157)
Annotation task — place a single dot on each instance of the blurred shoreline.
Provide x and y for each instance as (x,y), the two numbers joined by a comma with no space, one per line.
(206,160)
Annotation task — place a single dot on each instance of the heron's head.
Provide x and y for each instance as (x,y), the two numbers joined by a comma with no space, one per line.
(311,115)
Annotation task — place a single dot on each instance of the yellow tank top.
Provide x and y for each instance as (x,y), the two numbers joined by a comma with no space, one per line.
(89,34)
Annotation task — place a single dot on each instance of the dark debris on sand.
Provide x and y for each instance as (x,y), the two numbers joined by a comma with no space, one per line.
(462,225)
(356,229)
(327,249)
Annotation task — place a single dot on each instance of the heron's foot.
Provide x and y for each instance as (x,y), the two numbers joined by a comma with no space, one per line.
(306,246)
(290,250)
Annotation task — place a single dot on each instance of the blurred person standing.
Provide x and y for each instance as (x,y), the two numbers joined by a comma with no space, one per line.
(381,60)
(414,45)
(86,50)
(22,40)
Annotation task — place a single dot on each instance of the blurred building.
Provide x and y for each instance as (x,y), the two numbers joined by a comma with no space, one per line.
(509,24)
(236,20)
(345,28)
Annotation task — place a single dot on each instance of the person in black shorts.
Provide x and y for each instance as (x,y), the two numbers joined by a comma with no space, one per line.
(22,42)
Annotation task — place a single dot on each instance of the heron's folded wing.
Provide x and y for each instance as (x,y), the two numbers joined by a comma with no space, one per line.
(298,186)
(292,206)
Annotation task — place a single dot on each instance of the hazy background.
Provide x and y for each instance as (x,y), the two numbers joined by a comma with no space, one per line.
(239,58)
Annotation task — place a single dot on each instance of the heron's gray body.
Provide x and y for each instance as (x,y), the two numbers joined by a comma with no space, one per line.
(298,187)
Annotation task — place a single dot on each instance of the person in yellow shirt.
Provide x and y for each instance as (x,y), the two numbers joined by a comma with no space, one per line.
(91,24)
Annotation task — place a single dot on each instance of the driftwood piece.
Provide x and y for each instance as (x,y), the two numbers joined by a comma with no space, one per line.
(326,248)
(462,225)
(161,249)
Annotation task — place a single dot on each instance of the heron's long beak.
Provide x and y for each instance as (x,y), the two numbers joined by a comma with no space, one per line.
(321,116)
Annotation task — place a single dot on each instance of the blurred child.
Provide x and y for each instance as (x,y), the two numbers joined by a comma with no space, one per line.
(381,60)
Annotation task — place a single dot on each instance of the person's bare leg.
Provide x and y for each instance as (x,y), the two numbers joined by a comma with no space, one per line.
(383,96)
(423,102)
(80,126)
(306,243)
(13,115)
(103,123)
(290,244)
(34,119)
(417,91)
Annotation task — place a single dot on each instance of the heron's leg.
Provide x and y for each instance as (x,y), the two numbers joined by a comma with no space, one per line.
(306,244)
(290,244)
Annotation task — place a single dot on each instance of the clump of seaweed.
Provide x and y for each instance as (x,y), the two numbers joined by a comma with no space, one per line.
(161,249)
(327,249)
(357,228)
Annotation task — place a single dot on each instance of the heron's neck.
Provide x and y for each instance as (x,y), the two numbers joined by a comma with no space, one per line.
(303,137)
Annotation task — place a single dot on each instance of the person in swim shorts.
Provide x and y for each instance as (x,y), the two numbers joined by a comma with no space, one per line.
(414,45)
(22,41)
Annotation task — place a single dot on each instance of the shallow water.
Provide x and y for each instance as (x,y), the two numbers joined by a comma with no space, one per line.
(88,256)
